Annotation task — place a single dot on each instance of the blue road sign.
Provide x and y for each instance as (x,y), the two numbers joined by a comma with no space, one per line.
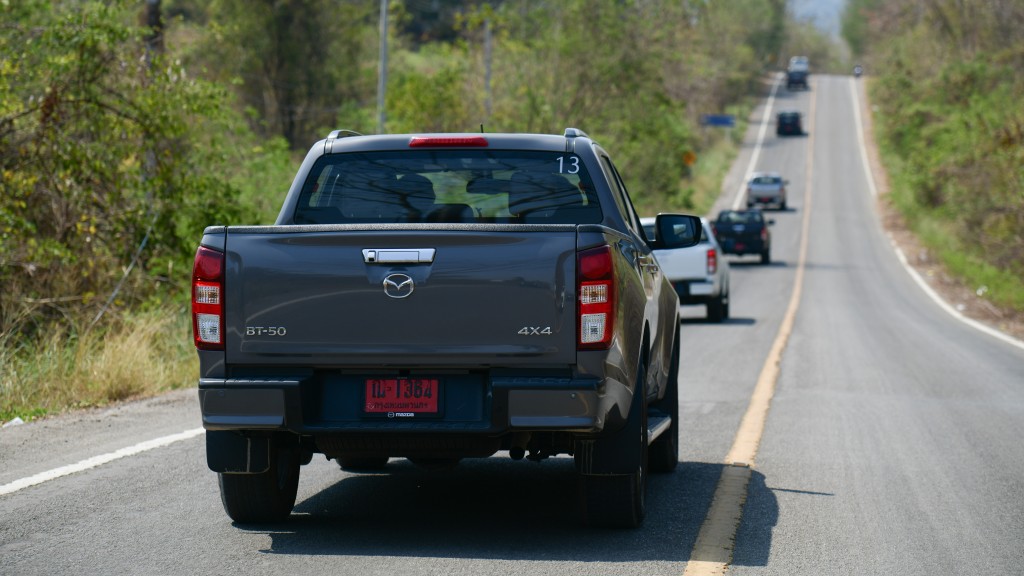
(723,120)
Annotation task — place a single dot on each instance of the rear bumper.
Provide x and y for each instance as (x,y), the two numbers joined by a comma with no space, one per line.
(328,404)
(740,247)
(764,199)
(696,291)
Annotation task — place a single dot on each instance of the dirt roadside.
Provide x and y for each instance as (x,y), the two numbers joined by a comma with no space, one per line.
(966,299)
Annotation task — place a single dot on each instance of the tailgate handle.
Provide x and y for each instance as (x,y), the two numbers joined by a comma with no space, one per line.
(398,255)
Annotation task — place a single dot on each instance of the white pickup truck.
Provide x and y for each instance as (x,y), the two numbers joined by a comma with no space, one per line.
(699,274)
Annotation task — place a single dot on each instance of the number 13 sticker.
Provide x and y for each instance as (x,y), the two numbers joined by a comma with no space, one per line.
(572,167)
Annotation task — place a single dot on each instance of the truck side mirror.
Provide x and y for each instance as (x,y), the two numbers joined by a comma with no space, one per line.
(677,230)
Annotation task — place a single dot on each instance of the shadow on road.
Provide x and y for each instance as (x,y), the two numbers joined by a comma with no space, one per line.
(497,509)
(731,321)
(755,262)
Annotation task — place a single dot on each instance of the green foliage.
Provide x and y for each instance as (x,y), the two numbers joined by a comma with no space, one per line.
(806,39)
(948,96)
(427,93)
(636,76)
(295,63)
(98,157)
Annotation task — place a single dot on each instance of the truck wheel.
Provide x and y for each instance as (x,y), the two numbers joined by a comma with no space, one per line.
(717,309)
(664,452)
(620,500)
(267,497)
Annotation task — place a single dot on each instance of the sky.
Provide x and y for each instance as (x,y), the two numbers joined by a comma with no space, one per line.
(824,13)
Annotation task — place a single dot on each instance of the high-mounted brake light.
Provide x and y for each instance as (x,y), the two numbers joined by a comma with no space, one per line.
(208,299)
(448,142)
(596,306)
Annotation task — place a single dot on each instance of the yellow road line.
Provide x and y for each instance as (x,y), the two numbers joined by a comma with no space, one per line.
(712,552)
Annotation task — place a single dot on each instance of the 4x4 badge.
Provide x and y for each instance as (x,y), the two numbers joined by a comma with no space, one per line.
(398,285)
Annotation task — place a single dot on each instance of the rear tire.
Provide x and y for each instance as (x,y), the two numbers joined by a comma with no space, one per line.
(267,497)
(663,456)
(614,501)
(766,256)
(620,500)
(718,309)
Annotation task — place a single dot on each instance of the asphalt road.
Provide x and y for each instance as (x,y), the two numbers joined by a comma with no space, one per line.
(891,447)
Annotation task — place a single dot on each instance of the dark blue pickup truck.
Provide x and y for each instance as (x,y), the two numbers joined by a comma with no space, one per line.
(744,232)
(438,297)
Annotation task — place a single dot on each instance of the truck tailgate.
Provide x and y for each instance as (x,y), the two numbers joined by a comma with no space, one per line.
(400,297)
(685,263)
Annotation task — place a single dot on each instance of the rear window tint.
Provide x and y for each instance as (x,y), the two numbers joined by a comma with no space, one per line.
(766,180)
(748,217)
(449,186)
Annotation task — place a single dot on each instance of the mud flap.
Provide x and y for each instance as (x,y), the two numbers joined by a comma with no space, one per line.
(616,452)
(233,453)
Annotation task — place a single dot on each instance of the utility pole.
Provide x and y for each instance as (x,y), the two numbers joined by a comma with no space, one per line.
(488,53)
(153,21)
(382,66)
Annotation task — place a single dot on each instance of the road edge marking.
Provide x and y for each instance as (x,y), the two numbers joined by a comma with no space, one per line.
(712,551)
(96,461)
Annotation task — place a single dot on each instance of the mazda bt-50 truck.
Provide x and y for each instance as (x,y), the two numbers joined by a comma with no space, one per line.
(438,297)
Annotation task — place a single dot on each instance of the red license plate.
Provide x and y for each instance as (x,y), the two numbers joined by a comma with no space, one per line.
(405,396)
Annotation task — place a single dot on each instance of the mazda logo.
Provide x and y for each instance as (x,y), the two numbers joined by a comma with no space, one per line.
(398,286)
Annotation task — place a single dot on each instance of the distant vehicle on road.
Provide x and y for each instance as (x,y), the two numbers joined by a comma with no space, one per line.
(789,122)
(797,72)
(699,274)
(766,188)
(743,232)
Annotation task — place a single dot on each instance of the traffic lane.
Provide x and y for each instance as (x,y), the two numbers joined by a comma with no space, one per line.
(886,460)
(133,516)
(720,363)
(65,439)
(160,513)
(893,441)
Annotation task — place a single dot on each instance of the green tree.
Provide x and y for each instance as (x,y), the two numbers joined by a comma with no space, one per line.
(296,63)
(98,158)
(950,79)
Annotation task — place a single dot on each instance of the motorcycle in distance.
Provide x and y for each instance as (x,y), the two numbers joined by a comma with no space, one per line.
(857,71)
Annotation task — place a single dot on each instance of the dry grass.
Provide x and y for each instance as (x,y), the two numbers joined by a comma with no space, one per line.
(140,355)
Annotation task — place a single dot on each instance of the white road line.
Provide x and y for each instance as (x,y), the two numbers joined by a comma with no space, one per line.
(97,461)
(860,139)
(899,253)
(741,193)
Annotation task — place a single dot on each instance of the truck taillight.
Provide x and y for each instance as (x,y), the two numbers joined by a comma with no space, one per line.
(596,306)
(208,299)
(712,261)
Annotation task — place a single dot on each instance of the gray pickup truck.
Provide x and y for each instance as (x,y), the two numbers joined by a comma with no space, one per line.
(438,297)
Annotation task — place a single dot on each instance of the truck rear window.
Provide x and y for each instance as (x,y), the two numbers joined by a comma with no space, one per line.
(449,186)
